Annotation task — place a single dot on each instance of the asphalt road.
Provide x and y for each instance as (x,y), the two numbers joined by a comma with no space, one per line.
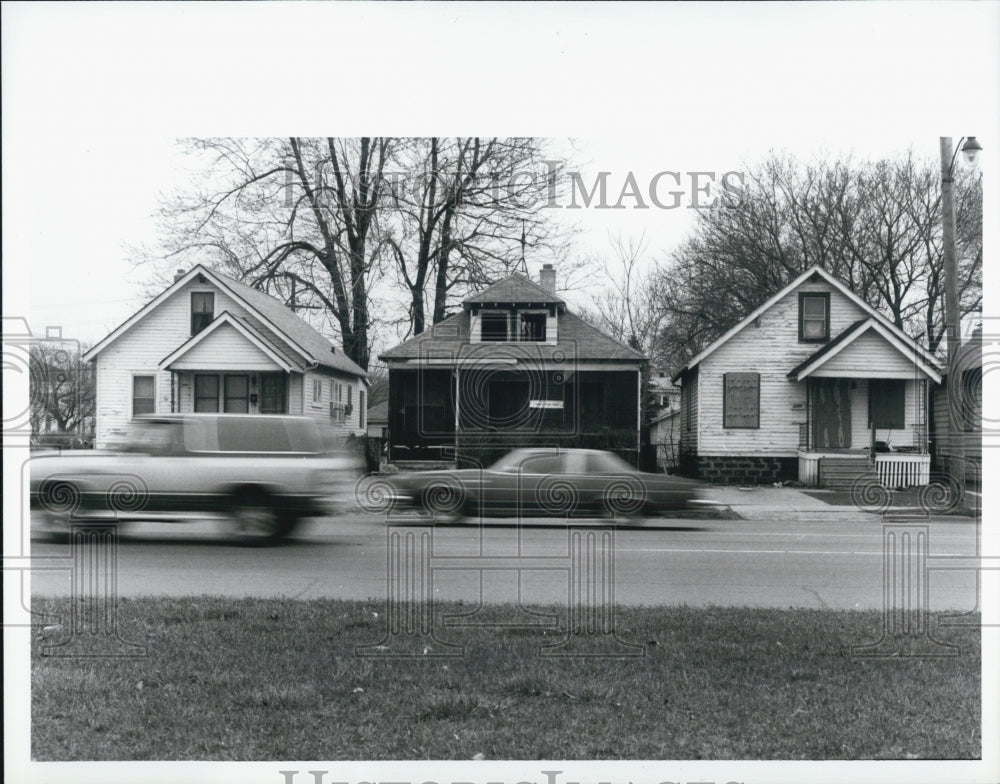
(802,561)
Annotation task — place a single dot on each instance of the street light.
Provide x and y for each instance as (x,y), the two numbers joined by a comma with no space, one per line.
(953,315)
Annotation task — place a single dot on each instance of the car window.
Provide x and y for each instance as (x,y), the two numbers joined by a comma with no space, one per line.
(606,463)
(260,434)
(543,464)
(510,462)
(200,435)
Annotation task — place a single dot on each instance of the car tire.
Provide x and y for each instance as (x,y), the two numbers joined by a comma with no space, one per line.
(257,519)
(449,512)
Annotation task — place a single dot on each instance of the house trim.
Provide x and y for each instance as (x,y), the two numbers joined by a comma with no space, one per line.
(814,270)
(192,274)
(823,356)
(226,318)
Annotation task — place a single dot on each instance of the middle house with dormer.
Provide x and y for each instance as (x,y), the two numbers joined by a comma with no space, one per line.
(514,368)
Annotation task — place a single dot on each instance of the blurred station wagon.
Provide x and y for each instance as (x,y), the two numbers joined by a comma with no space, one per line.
(263,473)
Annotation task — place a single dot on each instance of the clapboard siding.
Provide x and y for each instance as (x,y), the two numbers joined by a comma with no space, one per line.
(868,356)
(225,349)
(140,349)
(771,348)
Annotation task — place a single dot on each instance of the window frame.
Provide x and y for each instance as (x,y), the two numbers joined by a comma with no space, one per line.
(482,323)
(874,392)
(226,396)
(198,315)
(825,296)
(152,398)
(195,397)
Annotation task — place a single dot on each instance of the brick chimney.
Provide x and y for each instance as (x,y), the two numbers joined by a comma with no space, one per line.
(179,274)
(547,278)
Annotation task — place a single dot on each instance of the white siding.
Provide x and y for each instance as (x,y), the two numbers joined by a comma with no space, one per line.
(320,409)
(225,349)
(139,352)
(870,356)
(770,349)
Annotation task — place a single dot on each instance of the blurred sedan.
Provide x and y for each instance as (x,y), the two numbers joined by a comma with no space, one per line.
(538,483)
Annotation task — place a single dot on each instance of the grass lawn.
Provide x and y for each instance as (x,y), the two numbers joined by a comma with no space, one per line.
(269,679)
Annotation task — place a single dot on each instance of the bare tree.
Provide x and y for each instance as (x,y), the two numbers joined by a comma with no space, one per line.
(62,396)
(876,226)
(295,217)
(466,212)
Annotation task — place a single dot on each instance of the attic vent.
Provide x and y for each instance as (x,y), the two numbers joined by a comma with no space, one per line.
(202,279)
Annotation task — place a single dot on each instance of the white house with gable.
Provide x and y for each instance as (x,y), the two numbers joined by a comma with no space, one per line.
(814,385)
(209,343)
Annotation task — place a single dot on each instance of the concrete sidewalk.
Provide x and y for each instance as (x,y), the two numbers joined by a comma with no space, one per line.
(783,504)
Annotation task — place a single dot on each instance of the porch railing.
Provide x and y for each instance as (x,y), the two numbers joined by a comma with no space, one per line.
(902,470)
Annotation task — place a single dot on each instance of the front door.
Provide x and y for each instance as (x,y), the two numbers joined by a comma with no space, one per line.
(830,412)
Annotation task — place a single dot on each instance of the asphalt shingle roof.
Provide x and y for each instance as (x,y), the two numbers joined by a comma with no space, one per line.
(515,288)
(303,335)
(577,339)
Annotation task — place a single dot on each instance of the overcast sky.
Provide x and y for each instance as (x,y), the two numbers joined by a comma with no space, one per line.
(94,96)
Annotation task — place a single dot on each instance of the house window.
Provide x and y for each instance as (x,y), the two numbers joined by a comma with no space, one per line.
(202,310)
(143,395)
(741,400)
(350,396)
(317,390)
(887,403)
(272,394)
(493,327)
(532,327)
(206,394)
(237,396)
(362,411)
(814,318)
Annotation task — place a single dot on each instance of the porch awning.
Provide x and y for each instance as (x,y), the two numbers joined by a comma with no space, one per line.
(229,343)
(867,349)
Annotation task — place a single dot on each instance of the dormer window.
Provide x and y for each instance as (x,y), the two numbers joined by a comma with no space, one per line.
(202,310)
(504,326)
(814,318)
(532,327)
(494,327)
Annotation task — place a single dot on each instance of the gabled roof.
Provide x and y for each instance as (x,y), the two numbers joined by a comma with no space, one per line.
(817,359)
(274,353)
(814,270)
(514,289)
(577,340)
(379,412)
(267,315)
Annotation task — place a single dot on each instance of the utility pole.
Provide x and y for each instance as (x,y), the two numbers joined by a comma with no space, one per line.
(953,313)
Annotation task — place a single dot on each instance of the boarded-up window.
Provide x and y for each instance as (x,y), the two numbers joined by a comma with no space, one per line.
(887,403)
(741,400)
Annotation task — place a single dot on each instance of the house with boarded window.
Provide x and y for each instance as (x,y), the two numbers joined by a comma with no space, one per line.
(515,367)
(209,343)
(814,385)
